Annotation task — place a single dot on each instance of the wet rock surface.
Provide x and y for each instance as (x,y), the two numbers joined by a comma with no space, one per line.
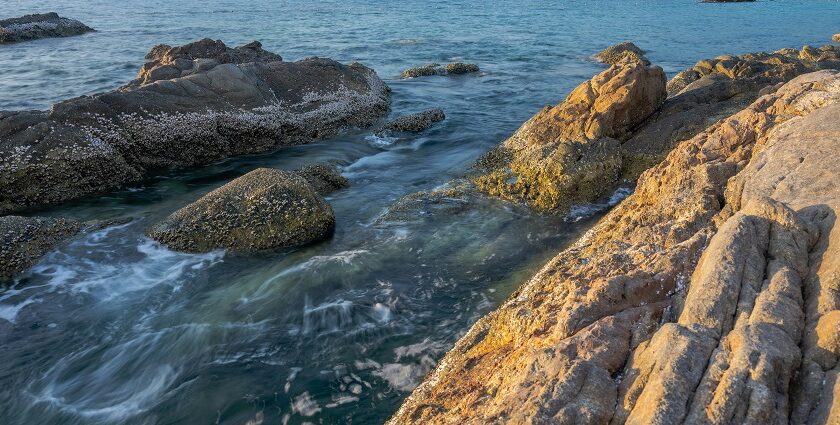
(222,102)
(37,26)
(710,295)
(414,123)
(324,178)
(454,68)
(23,240)
(264,209)
(571,153)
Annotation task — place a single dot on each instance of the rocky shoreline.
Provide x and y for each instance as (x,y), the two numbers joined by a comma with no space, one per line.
(38,26)
(710,295)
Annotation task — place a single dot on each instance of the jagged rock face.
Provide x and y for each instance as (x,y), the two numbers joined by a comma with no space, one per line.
(37,26)
(712,90)
(570,153)
(25,239)
(710,295)
(264,209)
(95,143)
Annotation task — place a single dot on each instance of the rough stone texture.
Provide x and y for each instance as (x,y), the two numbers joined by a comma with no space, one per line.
(712,90)
(709,296)
(570,153)
(620,52)
(23,240)
(324,178)
(215,110)
(836,37)
(454,68)
(414,123)
(264,209)
(37,26)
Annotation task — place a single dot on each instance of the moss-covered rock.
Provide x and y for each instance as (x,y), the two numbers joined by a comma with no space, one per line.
(264,209)
(457,68)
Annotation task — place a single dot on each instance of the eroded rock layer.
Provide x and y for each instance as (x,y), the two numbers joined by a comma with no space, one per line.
(190,106)
(709,296)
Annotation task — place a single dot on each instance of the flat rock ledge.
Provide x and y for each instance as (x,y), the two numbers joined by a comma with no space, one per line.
(23,240)
(37,26)
(190,105)
(262,210)
(709,296)
(454,68)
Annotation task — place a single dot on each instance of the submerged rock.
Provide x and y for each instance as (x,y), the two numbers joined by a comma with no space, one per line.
(454,68)
(264,209)
(570,153)
(620,52)
(190,106)
(37,26)
(710,295)
(23,240)
(324,178)
(414,123)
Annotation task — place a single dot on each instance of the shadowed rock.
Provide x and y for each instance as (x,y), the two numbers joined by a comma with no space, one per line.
(37,26)
(264,209)
(414,123)
(324,178)
(708,296)
(570,153)
(23,240)
(191,105)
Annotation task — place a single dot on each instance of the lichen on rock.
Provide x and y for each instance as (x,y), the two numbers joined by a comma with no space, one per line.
(262,210)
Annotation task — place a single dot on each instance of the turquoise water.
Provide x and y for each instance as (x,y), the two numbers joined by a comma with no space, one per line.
(115,329)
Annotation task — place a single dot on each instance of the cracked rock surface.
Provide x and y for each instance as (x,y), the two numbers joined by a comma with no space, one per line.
(190,106)
(709,296)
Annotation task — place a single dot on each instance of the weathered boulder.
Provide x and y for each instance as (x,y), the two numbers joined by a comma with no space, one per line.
(23,240)
(709,296)
(620,52)
(324,178)
(230,102)
(414,123)
(454,68)
(37,26)
(264,209)
(570,153)
(836,37)
(710,91)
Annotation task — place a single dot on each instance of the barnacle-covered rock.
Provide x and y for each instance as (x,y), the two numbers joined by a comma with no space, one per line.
(454,68)
(264,209)
(414,123)
(37,26)
(325,178)
(190,106)
(25,239)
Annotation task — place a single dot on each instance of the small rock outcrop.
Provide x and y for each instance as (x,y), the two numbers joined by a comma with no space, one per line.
(571,153)
(37,26)
(621,51)
(264,209)
(454,68)
(190,106)
(710,295)
(836,38)
(23,240)
(414,123)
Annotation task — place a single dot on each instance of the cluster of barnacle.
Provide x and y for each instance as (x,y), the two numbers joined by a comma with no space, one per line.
(18,156)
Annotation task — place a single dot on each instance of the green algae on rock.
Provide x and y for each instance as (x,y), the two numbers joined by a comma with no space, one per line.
(264,209)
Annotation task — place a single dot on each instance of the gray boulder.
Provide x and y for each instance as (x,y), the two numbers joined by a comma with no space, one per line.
(23,240)
(190,106)
(264,209)
(37,26)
